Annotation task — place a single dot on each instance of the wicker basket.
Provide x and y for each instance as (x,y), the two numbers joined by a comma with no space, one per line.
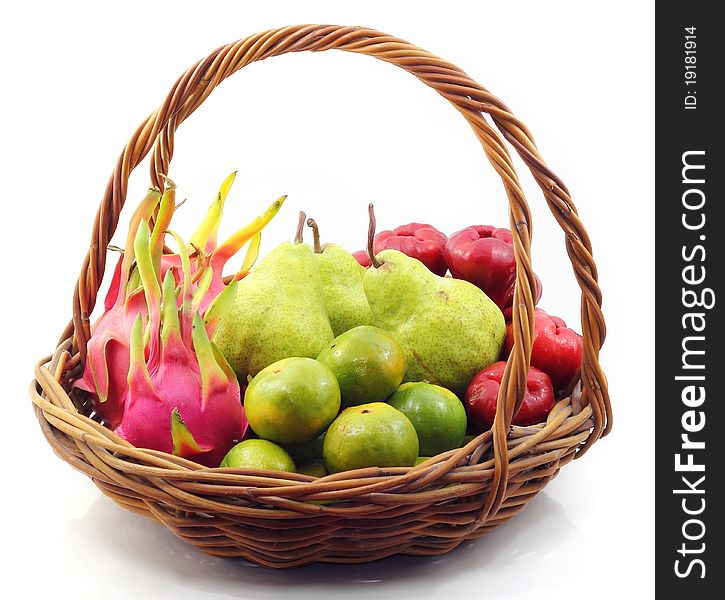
(285,520)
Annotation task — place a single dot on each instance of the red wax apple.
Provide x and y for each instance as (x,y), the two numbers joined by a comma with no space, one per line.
(363,258)
(484,255)
(557,349)
(417,240)
(482,394)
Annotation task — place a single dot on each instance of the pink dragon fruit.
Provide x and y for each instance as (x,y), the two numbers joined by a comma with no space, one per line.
(107,361)
(107,356)
(208,273)
(183,398)
(209,259)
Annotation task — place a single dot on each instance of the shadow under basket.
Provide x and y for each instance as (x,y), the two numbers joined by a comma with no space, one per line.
(284,520)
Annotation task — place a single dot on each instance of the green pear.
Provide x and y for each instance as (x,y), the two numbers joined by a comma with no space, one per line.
(448,328)
(278,312)
(341,279)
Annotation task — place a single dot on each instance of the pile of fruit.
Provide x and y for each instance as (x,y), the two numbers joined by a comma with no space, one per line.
(377,358)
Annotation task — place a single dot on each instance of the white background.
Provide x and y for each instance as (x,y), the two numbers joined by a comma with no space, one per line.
(334,131)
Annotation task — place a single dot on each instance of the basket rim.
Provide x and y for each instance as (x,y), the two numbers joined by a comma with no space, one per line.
(51,403)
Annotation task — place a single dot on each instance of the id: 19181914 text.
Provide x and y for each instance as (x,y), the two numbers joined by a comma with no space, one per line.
(690,68)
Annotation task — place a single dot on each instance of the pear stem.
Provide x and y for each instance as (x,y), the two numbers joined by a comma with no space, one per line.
(300,227)
(312,224)
(371,237)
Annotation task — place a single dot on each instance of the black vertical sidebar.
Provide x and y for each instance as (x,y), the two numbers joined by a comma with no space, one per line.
(690,261)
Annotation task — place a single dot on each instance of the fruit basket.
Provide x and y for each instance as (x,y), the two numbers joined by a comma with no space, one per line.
(283,520)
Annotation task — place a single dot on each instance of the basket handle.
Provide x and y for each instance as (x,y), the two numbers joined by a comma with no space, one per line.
(473,102)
